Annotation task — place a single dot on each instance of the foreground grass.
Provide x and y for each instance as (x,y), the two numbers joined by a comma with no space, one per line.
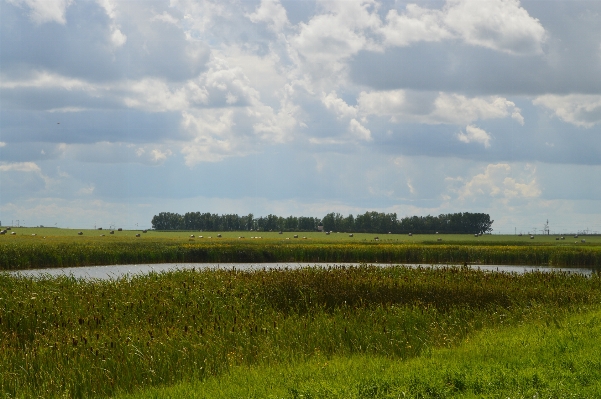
(534,360)
(65,337)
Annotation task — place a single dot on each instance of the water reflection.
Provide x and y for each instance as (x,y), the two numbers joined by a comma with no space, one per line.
(119,271)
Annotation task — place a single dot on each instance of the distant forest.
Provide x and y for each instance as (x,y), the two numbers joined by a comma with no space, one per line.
(369,222)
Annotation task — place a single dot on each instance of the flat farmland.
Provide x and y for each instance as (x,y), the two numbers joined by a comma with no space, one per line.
(95,235)
(51,247)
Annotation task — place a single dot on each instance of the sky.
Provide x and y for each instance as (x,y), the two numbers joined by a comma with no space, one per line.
(113,111)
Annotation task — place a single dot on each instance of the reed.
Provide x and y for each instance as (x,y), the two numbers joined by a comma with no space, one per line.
(75,338)
(40,254)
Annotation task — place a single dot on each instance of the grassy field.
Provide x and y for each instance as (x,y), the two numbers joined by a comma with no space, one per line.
(61,337)
(68,235)
(48,247)
(532,360)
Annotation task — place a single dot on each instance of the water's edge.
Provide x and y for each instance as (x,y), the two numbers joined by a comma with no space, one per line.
(119,271)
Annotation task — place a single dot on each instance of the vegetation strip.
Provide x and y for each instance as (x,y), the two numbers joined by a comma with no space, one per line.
(41,254)
(66,337)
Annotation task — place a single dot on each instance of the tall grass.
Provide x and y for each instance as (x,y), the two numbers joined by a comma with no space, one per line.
(75,338)
(40,254)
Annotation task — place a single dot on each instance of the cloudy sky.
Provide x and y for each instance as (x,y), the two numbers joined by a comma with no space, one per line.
(113,111)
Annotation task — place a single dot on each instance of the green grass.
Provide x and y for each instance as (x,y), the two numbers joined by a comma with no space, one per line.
(66,337)
(64,248)
(65,235)
(534,360)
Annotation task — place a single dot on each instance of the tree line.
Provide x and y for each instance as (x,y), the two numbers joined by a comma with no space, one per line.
(369,222)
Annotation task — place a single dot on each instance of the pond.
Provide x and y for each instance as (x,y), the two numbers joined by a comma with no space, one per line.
(119,271)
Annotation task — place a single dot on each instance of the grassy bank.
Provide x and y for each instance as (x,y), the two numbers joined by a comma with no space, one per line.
(533,360)
(65,337)
(35,252)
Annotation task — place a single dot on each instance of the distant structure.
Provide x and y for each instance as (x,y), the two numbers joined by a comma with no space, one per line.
(546,228)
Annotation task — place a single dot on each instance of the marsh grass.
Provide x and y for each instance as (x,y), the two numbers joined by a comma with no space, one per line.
(535,359)
(32,252)
(76,338)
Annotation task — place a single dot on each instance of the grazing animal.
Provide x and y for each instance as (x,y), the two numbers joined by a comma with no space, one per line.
(410,234)
(80,233)
(532,237)
(218,235)
(583,240)
(119,229)
(138,235)
(192,236)
(13,234)
(439,239)
(112,232)
(296,236)
(350,235)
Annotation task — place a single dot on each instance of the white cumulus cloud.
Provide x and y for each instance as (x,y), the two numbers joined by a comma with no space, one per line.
(501,25)
(475,134)
(582,110)
(42,11)
(498,181)
(271,12)
(447,108)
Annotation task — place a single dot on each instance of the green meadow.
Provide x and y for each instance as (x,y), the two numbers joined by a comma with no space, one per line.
(65,235)
(335,332)
(364,332)
(48,247)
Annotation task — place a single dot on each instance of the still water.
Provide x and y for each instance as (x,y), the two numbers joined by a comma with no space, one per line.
(119,271)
